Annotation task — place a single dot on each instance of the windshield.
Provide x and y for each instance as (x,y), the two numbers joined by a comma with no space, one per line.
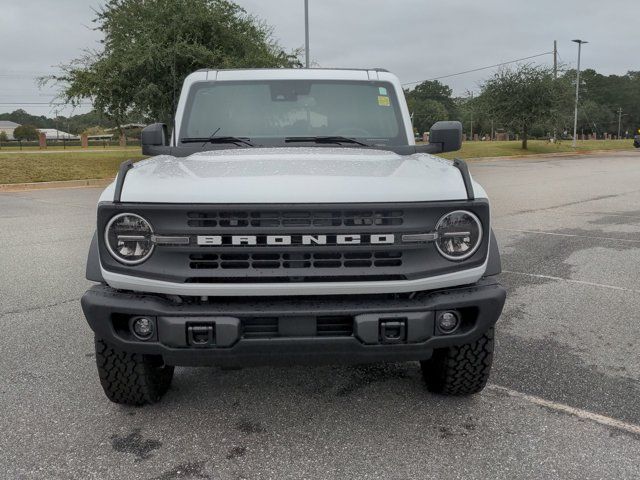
(277,111)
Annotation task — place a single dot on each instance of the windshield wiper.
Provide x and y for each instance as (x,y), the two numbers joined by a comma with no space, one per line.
(328,139)
(205,140)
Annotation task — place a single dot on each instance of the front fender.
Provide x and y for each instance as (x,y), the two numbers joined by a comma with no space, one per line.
(93,272)
(494,265)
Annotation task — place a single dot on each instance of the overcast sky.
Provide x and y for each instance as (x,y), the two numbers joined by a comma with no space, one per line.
(416,39)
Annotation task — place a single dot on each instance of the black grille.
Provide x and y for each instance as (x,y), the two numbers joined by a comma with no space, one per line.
(326,326)
(314,253)
(279,219)
(259,261)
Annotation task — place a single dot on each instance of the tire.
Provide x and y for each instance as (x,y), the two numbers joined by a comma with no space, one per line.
(131,378)
(460,370)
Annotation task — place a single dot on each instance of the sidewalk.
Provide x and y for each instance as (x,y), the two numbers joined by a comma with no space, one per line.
(62,150)
(577,153)
(19,187)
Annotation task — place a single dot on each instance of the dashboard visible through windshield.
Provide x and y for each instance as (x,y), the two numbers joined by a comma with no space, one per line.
(288,111)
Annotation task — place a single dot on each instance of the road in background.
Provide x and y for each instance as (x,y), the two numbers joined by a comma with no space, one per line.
(569,233)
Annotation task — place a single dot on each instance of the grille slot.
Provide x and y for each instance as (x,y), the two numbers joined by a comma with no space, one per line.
(338,326)
(297,279)
(317,260)
(300,219)
(326,326)
(265,327)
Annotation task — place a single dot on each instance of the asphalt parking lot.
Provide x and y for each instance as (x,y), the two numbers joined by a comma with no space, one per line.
(562,403)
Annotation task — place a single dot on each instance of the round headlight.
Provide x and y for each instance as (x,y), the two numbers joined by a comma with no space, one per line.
(128,238)
(459,235)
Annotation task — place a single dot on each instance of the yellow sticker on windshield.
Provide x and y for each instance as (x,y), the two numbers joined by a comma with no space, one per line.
(384,101)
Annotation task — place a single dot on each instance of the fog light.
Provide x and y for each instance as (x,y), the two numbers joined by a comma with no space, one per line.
(448,322)
(142,328)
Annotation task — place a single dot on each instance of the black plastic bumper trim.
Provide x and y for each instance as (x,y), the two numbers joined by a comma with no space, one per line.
(101,303)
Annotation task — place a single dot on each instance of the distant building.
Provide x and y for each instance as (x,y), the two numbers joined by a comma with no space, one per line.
(100,136)
(53,134)
(8,127)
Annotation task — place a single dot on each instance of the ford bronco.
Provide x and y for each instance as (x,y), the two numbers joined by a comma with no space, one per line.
(290,217)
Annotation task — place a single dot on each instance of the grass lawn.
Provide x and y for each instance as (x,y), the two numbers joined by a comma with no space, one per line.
(30,166)
(513,148)
(48,167)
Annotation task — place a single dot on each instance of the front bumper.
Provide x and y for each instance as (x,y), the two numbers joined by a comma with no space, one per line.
(320,329)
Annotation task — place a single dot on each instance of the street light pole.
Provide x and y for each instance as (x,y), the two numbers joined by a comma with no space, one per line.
(575,117)
(306,32)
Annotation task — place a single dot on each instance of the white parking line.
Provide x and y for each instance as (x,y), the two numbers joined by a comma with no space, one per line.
(539,232)
(576,412)
(569,280)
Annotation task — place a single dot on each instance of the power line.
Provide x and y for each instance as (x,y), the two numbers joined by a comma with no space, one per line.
(25,74)
(479,69)
(44,103)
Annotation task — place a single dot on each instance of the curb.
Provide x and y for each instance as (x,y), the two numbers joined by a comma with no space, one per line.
(19,187)
(577,153)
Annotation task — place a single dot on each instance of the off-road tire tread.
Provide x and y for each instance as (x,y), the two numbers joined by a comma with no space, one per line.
(460,370)
(131,378)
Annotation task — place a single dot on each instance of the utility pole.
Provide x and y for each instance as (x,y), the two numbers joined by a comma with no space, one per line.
(619,121)
(555,75)
(471,110)
(575,116)
(57,129)
(306,32)
(555,59)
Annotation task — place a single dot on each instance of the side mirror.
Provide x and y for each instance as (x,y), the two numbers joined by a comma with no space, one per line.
(447,135)
(154,135)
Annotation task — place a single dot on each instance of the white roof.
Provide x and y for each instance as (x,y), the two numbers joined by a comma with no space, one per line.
(53,134)
(293,74)
(8,124)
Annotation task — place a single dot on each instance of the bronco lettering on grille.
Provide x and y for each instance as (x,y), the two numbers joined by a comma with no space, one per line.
(271,240)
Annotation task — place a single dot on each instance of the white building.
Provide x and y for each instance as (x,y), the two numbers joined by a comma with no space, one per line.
(53,134)
(8,127)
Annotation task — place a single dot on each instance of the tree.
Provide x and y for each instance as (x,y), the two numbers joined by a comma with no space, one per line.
(595,117)
(526,96)
(3,136)
(96,130)
(25,132)
(600,98)
(150,47)
(430,102)
(24,118)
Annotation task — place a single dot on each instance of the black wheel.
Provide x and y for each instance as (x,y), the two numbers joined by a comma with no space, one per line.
(460,370)
(131,378)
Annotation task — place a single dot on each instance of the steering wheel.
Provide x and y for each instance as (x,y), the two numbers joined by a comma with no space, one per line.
(353,132)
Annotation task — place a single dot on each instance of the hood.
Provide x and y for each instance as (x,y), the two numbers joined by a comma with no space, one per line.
(293,175)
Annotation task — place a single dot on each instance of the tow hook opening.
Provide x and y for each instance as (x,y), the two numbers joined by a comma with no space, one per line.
(200,335)
(393,331)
